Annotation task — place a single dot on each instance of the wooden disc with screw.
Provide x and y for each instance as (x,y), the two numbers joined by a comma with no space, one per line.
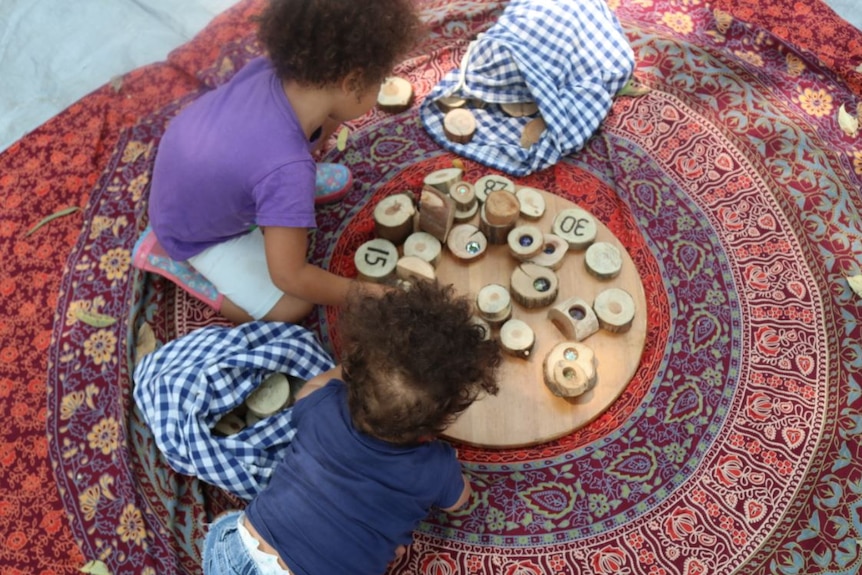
(615,309)
(436,213)
(395,95)
(270,397)
(423,245)
(517,338)
(393,218)
(603,260)
(577,227)
(553,252)
(525,242)
(532,132)
(492,183)
(444,179)
(494,304)
(463,194)
(466,242)
(519,109)
(570,369)
(459,125)
(376,260)
(534,286)
(575,319)
(532,203)
(412,268)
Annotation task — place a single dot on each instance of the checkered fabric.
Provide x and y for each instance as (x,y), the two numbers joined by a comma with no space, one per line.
(568,56)
(185,387)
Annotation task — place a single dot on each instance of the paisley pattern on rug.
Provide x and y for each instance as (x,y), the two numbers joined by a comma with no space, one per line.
(736,446)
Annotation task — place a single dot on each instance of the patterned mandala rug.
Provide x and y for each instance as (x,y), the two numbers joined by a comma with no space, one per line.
(735,448)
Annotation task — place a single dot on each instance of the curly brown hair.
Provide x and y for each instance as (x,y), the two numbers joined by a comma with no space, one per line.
(320,42)
(413,360)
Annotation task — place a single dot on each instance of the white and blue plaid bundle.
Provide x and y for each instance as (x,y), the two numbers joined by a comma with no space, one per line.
(570,57)
(185,387)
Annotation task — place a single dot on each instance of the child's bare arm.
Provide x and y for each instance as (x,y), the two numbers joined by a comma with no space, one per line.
(318,381)
(286,259)
(464,498)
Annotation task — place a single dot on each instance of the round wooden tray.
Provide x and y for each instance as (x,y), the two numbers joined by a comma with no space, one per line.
(525,412)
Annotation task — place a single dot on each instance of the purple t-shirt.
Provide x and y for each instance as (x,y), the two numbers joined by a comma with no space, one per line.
(342,501)
(235,157)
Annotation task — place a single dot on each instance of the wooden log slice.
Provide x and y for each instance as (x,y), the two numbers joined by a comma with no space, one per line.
(520,109)
(496,235)
(553,252)
(492,183)
(570,369)
(376,260)
(395,95)
(444,179)
(534,286)
(494,304)
(270,397)
(603,260)
(463,194)
(393,218)
(423,245)
(615,309)
(532,203)
(525,242)
(229,424)
(517,338)
(436,213)
(501,208)
(576,226)
(466,242)
(483,326)
(459,125)
(411,268)
(575,319)
(449,103)
(532,132)
(464,216)
(251,419)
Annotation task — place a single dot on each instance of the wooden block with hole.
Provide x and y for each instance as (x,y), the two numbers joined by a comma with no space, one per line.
(570,369)
(393,218)
(466,242)
(436,213)
(395,95)
(525,242)
(534,286)
(444,179)
(376,260)
(423,245)
(553,252)
(615,309)
(459,125)
(517,338)
(575,319)
(463,194)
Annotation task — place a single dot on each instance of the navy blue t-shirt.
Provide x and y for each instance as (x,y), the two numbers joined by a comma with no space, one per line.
(342,501)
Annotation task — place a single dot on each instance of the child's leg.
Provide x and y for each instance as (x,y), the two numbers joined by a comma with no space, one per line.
(238,270)
(224,552)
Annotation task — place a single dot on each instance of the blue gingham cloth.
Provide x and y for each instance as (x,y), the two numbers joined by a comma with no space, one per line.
(185,387)
(568,56)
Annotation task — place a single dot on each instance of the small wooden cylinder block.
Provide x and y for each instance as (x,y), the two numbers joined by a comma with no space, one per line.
(492,183)
(449,103)
(570,369)
(532,203)
(464,195)
(229,424)
(553,252)
(494,304)
(412,268)
(395,95)
(501,208)
(436,213)
(534,286)
(376,260)
(577,227)
(575,319)
(483,326)
(603,260)
(615,309)
(520,109)
(517,338)
(423,245)
(270,397)
(466,242)
(459,125)
(444,179)
(525,242)
(393,218)
(498,234)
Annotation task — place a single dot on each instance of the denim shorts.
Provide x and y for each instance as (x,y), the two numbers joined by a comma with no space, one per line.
(225,553)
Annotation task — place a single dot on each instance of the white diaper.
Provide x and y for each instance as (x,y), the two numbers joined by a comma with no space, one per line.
(268,564)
